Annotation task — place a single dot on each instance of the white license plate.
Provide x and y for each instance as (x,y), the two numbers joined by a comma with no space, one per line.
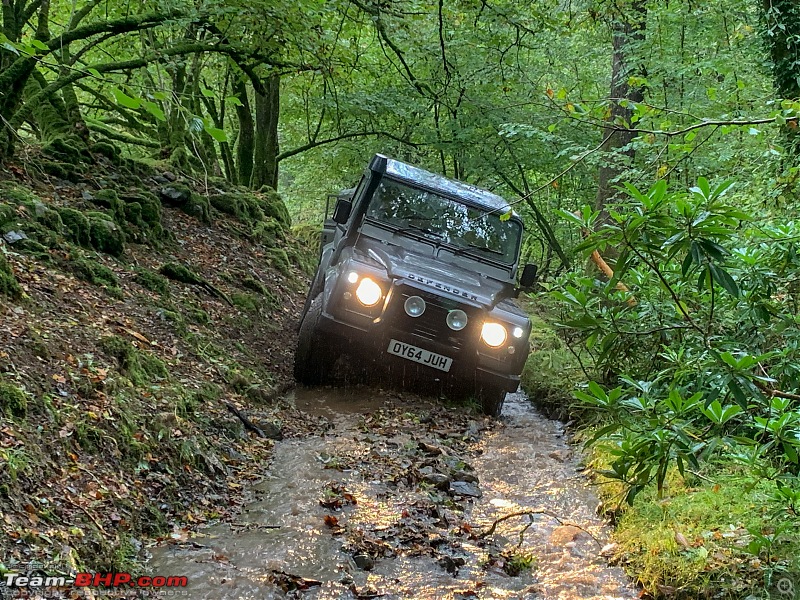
(420,355)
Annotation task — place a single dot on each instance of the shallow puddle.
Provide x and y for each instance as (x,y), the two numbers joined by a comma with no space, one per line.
(282,543)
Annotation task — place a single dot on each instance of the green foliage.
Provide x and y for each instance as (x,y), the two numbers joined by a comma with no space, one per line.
(689,346)
(551,370)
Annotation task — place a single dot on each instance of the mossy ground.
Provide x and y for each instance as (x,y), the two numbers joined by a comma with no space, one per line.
(119,371)
(551,370)
(720,533)
(9,286)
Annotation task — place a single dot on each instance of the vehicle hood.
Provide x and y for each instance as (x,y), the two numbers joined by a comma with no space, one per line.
(437,276)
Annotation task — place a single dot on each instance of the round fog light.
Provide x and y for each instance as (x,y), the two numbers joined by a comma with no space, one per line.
(414,306)
(456,320)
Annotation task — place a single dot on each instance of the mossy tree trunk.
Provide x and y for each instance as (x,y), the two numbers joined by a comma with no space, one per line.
(246,141)
(52,115)
(265,168)
(627,28)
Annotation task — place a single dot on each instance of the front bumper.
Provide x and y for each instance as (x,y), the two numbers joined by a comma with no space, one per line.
(474,363)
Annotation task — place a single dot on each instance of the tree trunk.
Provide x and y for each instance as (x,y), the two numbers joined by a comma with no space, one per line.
(246,138)
(782,19)
(628,29)
(265,168)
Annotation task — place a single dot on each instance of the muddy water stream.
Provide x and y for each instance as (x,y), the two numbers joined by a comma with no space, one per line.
(523,464)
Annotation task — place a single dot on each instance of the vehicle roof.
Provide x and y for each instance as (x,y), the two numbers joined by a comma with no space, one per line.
(470,193)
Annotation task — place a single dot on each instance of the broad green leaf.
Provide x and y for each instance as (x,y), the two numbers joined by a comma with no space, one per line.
(217,134)
(124,100)
(155,110)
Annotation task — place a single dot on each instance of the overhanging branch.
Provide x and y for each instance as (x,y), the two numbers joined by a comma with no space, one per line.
(345,136)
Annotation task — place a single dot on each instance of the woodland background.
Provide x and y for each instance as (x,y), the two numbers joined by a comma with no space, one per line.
(663,135)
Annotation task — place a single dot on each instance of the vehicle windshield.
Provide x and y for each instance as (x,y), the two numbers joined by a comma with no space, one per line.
(443,219)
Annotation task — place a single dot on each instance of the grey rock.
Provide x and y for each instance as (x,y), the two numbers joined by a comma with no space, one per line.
(464,488)
(464,476)
(175,195)
(14,236)
(437,480)
(364,562)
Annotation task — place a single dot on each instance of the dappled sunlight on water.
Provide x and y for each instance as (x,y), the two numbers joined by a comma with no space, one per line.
(522,465)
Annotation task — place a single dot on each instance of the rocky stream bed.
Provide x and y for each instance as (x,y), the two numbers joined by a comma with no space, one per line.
(403,498)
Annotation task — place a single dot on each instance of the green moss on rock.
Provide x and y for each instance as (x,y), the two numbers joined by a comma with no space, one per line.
(9,286)
(76,226)
(105,235)
(273,206)
(178,272)
(245,206)
(143,209)
(199,207)
(45,215)
(94,272)
(7,213)
(107,149)
(110,200)
(280,260)
(151,208)
(254,285)
(152,281)
(68,149)
(246,302)
(60,170)
(175,194)
(13,401)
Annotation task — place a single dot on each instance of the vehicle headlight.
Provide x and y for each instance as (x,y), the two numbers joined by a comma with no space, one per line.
(368,292)
(518,332)
(493,334)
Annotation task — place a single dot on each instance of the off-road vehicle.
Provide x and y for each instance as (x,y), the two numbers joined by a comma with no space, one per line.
(418,273)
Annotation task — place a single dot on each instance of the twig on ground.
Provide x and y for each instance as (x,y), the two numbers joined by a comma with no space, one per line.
(530,513)
(248,424)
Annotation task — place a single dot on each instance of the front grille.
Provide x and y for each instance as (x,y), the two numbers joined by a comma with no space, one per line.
(432,324)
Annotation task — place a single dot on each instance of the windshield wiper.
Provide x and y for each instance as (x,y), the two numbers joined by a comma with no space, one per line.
(424,230)
(473,247)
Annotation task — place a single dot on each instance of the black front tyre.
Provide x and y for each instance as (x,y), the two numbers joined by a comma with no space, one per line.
(491,398)
(313,358)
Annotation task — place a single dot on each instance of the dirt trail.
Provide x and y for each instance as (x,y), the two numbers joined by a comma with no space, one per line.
(385,505)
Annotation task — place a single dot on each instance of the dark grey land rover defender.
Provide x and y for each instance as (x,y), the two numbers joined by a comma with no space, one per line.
(418,273)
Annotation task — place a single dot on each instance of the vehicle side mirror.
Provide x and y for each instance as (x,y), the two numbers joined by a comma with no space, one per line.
(342,211)
(529,275)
